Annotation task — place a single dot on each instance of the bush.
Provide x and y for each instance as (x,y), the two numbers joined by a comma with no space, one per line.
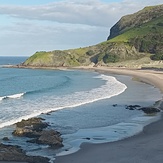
(160,24)
(90,52)
(157,57)
(110,58)
(100,56)
(81,59)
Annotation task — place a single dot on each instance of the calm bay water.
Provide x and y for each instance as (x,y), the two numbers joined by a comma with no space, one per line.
(82,101)
(11,60)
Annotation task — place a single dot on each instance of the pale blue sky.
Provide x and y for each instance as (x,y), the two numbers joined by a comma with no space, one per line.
(28,26)
(37,2)
(26,2)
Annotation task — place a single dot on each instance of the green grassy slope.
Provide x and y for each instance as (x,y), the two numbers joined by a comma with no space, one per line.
(135,20)
(152,27)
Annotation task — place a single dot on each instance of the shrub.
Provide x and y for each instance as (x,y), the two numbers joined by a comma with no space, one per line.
(82,59)
(160,24)
(90,52)
(157,57)
(100,56)
(110,58)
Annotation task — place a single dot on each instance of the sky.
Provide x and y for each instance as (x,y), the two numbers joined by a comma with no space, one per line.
(27,26)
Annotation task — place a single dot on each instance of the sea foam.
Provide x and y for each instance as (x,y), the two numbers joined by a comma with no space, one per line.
(45,104)
(14,96)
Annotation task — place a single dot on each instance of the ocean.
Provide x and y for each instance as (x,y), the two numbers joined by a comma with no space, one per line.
(79,103)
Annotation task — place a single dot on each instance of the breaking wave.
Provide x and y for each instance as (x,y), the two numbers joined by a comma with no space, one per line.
(45,104)
(14,96)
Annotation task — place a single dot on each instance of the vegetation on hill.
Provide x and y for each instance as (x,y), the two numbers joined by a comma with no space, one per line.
(147,38)
(135,20)
(134,37)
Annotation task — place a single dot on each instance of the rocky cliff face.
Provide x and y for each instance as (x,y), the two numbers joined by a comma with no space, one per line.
(135,20)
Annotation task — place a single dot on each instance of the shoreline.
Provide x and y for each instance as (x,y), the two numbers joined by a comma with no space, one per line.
(143,148)
(146,76)
(151,77)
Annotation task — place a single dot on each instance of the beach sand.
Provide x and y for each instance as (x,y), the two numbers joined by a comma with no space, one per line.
(146,147)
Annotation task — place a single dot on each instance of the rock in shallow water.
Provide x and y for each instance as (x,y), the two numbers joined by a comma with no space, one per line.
(149,110)
(132,107)
(14,153)
(51,138)
(35,128)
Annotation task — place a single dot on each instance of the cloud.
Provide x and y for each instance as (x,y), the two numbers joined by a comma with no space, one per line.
(60,25)
(94,13)
(29,37)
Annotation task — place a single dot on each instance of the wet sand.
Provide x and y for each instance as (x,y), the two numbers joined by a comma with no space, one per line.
(146,147)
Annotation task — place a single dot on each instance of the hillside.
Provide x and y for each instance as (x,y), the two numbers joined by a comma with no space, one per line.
(137,37)
(135,20)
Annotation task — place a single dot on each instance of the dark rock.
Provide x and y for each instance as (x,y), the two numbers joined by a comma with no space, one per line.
(26,132)
(30,128)
(115,105)
(133,107)
(5,139)
(137,106)
(35,123)
(50,137)
(149,110)
(130,108)
(33,128)
(16,154)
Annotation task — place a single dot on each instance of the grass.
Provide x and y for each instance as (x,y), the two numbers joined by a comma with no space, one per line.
(145,29)
(39,57)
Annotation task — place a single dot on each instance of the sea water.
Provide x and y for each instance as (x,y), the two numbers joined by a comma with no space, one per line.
(80,102)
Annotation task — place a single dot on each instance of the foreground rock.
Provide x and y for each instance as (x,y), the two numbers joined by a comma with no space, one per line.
(149,110)
(30,128)
(35,128)
(133,107)
(14,153)
(49,137)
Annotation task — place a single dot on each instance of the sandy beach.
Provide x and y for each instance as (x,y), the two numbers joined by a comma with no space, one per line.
(148,76)
(146,147)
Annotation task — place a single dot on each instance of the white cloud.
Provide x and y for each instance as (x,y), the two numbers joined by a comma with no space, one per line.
(62,24)
(88,12)
(26,38)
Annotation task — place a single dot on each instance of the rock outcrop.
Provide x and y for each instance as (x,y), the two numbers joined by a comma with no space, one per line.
(30,128)
(147,110)
(50,137)
(35,128)
(16,154)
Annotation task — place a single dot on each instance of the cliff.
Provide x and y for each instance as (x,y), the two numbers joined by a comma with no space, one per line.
(136,20)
